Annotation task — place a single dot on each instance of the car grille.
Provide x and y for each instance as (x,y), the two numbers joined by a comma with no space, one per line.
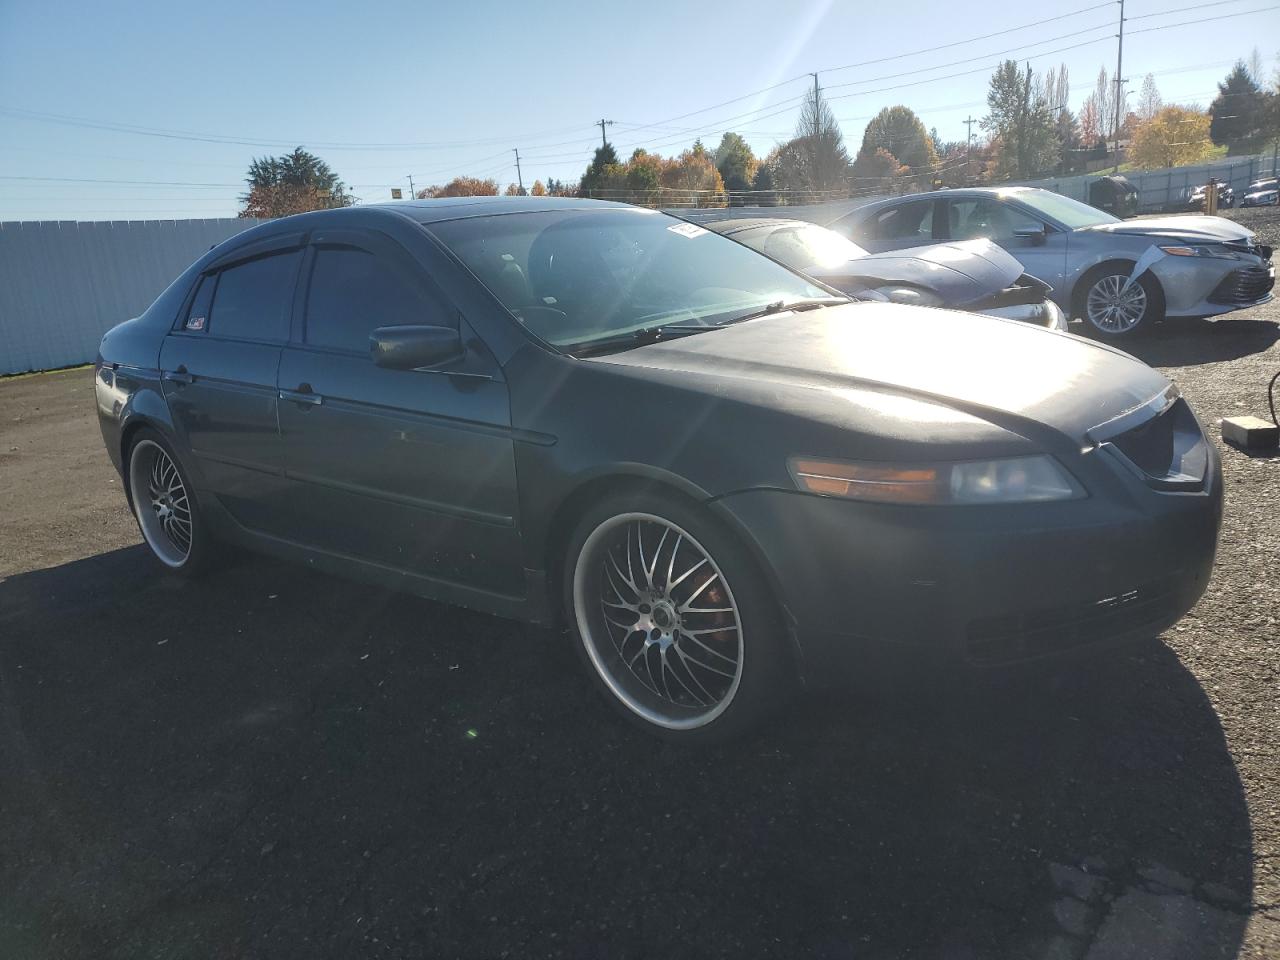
(1005,639)
(1246,285)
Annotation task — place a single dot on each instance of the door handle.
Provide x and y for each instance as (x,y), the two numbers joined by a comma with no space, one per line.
(178,376)
(303,396)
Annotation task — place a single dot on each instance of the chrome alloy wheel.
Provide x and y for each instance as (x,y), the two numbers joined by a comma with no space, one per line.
(658,620)
(160,502)
(1113,307)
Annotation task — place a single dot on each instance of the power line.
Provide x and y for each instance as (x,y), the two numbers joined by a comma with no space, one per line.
(944,46)
(997,53)
(1188,23)
(957,43)
(149,183)
(962,73)
(252,142)
(752,116)
(1197,6)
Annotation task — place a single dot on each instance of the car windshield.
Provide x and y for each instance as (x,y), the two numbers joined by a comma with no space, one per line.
(1071,213)
(804,246)
(574,277)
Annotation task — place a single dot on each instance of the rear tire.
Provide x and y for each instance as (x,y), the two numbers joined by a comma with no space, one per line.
(1113,308)
(165,506)
(674,624)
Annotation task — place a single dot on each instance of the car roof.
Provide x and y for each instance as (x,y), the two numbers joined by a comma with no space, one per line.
(936,194)
(418,211)
(453,208)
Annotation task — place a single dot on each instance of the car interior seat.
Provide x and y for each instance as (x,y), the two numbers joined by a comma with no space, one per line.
(510,283)
(566,271)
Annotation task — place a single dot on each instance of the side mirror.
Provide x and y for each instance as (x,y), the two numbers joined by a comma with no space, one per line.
(412,346)
(1035,236)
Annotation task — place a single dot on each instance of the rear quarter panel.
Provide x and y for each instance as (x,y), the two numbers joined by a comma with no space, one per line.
(127,388)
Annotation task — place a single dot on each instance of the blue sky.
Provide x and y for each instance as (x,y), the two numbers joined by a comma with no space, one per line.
(385,89)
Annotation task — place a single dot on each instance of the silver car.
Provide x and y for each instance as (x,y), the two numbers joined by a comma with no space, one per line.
(1119,275)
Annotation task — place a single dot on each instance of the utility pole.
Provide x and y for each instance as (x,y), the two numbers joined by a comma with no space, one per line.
(519,178)
(602,124)
(412,195)
(968,147)
(1119,87)
(817,156)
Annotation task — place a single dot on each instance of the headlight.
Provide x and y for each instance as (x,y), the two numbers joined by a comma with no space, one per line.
(1057,320)
(912,295)
(1013,480)
(1188,250)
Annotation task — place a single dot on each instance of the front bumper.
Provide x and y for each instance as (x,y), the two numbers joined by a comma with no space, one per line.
(982,585)
(1205,287)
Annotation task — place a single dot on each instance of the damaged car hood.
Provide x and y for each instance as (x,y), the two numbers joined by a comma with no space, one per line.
(960,272)
(1210,229)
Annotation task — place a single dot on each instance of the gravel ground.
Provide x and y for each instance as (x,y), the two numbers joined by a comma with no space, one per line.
(272,763)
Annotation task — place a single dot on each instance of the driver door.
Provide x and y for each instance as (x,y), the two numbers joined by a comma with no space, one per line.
(998,220)
(412,470)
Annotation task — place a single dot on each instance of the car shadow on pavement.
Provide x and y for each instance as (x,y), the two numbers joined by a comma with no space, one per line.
(270,762)
(1187,342)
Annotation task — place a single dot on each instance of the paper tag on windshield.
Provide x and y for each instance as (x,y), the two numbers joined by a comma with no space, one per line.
(687,229)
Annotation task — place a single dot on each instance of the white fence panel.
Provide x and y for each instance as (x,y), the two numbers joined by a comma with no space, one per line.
(64,283)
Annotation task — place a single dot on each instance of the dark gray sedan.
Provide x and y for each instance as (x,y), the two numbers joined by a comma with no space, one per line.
(723,479)
(1119,275)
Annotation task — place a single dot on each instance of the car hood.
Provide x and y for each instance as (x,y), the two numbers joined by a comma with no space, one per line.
(961,273)
(1190,228)
(1007,373)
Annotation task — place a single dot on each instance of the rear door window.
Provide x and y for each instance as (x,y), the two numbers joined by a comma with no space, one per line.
(908,221)
(354,291)
(253,300)
(197,318)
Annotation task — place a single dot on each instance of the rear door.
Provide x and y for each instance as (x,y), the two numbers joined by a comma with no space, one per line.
(219,367)
(409,469)
(909,224)
(998,220)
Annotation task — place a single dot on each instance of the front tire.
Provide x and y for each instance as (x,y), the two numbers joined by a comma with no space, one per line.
(1113,307)
(165,506)
(677,628)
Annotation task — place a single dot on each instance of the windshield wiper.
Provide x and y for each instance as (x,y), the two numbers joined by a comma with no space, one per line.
(780,306)
(636,338)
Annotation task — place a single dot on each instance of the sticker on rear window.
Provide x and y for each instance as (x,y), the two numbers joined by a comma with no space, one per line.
(688,230)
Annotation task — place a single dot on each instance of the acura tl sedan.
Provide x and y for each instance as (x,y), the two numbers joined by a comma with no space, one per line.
(971,275)
(722,478)
(1121,276)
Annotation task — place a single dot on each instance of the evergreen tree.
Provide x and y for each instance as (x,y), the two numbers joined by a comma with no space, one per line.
(599,170)
(735,161)
(1238,113)
(1022,120)
(292,183)
(818,136)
